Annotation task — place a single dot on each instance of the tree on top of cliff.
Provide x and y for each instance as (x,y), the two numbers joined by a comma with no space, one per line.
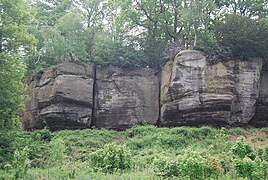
(141,29)
(245,37)
(246,8)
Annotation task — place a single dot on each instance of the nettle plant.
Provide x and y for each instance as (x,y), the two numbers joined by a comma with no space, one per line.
(247,162)
(242,149)
(21,162)
(192,165)
(112,158)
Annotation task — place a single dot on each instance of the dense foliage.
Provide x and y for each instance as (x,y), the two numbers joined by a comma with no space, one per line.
(142,152)
(143,33)
(14,41)
(244,36)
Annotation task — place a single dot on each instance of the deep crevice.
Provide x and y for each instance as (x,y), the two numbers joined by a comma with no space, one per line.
(158,123)
(159,75)
(93,118)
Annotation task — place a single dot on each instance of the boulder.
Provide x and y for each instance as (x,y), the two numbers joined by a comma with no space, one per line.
(61,98)
(195,93)
(125,97)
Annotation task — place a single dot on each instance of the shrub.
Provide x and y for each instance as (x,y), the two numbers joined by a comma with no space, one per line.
(265,154)
(57,151)
(43,134)
(142,142)
(264,168)
(111,158)
(252,169)
(238,131)
(241,149)
(195,166)
(21,163)
(7,138)
(190,132)
(142,130)
(166,167)
(190,165)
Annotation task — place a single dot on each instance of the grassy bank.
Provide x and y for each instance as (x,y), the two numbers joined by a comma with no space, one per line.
(142,152)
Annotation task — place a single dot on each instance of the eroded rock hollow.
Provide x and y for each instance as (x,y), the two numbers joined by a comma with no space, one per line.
(188,91)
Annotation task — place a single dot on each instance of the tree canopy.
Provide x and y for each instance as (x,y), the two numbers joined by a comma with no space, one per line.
(134,32)
(15,41)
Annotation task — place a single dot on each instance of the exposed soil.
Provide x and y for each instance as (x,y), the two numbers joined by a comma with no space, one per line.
(256,139)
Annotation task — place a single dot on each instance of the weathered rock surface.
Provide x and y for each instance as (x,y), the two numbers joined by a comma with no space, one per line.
(125,97)
(261,116)
(194,93)
(61,98)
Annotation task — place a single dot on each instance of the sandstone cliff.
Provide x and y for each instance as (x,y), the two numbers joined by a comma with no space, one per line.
(195,93)
(190,92)
(62,98)
(74,96)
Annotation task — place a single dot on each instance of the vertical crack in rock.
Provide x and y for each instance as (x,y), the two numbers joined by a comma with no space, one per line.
(158,75)
(125,97)
(94,95)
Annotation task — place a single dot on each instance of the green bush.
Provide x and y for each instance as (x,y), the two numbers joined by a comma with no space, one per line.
(195,166)
(241,149)
(37,145)
(111,158)
(138,143)
(56,152)
(7,138)
(265,154)
(238,131)
(170,141)
(252,169)
(190,165)
(21,162)
(42,135)
(264,169)
(166,167)
(141,130)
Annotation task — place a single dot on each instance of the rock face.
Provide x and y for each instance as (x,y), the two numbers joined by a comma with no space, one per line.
(261,116)
(125,97)
(195,93)
(62,98)
(188,92)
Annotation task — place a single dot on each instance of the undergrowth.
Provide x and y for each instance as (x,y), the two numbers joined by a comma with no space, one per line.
(141,152)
